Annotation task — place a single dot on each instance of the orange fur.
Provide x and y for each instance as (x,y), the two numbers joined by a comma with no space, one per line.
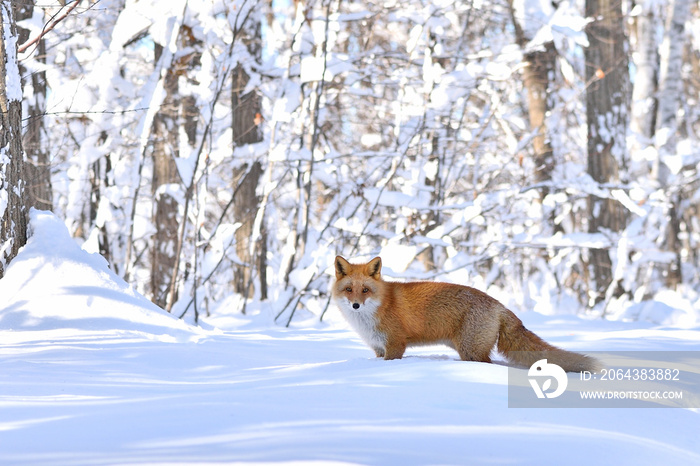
(392,316)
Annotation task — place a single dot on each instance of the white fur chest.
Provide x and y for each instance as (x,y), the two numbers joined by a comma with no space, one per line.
(364,322)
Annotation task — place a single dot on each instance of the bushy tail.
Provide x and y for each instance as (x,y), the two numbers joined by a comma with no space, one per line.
(524,348)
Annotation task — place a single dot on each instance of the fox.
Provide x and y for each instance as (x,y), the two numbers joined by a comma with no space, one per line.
(392,316)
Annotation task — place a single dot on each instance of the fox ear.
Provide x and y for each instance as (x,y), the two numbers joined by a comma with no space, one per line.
(375,267)
(341,267)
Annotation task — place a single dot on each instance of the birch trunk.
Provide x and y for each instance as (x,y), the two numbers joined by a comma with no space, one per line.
(670,81)
(670,94)
(646,62)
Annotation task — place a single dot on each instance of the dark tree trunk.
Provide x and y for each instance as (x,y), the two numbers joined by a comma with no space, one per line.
(165,220)
(536,76)
(245,124)
(246,107)
(13,210)
(607,77)
(245,210)
(37,167)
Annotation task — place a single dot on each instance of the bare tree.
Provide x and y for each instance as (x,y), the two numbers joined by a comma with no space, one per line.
(607,78)
(13,211)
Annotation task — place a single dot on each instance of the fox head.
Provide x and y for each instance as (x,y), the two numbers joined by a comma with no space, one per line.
(357,285)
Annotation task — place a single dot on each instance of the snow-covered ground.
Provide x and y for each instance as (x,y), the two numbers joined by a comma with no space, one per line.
(92,373)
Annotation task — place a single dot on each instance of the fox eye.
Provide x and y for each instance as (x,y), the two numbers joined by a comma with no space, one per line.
(365,290)
(348,289)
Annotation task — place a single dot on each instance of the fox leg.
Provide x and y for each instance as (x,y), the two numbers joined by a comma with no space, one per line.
(394,349)
(475,342)
(379,352)
(469,354)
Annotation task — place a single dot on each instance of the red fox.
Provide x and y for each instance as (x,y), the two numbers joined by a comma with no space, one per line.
(390,316)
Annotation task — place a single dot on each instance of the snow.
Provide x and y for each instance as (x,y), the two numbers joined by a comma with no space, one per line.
(318,68)
(4,195)
(93,373)
(12,85)
(541,22)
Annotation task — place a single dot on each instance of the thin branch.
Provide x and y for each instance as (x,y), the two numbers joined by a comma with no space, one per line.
(223,255)
(190,188)
(48,28)
(87,112)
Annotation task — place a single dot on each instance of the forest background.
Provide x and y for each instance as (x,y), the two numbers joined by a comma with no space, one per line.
(219,154)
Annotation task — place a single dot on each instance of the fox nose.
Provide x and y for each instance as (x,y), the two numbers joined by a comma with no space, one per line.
(355,305)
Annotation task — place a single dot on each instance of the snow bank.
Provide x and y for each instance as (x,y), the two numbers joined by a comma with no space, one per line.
(668,308)
(54,286)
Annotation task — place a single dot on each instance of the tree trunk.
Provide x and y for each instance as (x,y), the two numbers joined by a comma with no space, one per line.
(245,121)
(670,77)
(431,219)
(607,77)
(246,108)
(646,62)
(37,167)
(165,220)
(100,182)
(536,76)
(245,209)
(670,94)
(13,210)
(246,113)
(538,70)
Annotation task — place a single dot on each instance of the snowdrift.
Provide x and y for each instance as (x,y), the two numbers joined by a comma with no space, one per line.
(54,286)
